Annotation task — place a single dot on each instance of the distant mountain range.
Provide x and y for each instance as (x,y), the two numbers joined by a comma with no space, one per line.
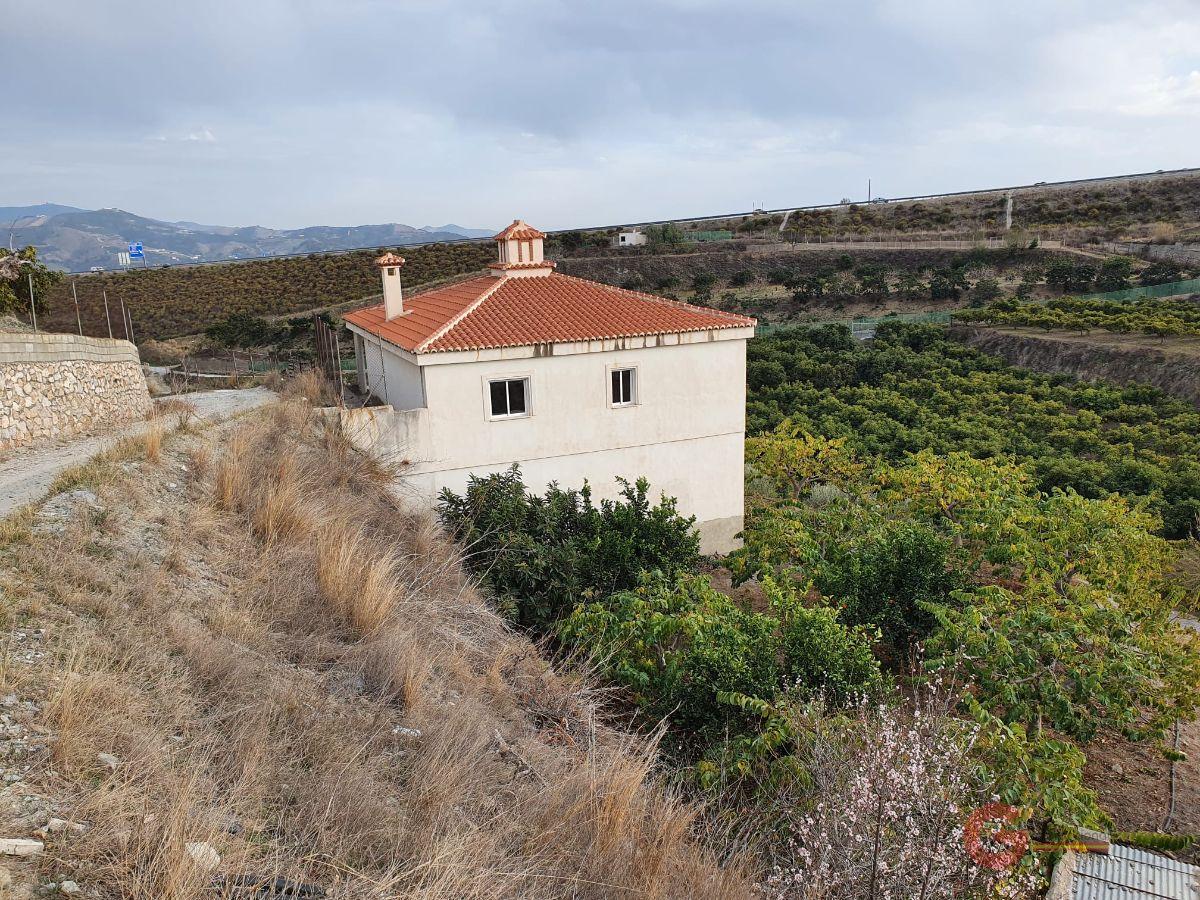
(77,239)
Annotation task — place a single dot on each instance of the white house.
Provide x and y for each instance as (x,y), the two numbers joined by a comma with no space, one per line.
(571,379)
(631,237)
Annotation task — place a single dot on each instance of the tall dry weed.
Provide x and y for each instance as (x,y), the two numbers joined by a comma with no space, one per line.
(308,661)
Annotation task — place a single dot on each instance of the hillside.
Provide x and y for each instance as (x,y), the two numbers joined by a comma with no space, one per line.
(167,303)
(235,661)
(77,239)
(778,283)
(1134,207)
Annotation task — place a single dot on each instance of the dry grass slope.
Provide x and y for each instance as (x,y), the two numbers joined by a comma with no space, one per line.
(291,670)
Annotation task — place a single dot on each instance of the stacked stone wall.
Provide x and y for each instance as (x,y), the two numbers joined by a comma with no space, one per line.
(58,385)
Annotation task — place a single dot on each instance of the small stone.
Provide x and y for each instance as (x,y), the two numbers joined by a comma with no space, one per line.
(57,826)
(204,855)
(20,847)
(69,887)
(109,761)
(407,732)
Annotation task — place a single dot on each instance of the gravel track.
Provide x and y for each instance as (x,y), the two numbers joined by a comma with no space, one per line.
(26,475)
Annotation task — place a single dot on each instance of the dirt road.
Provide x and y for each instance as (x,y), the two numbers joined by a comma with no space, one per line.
(25,475)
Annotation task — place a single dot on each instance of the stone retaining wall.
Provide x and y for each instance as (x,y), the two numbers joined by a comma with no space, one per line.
(57,385)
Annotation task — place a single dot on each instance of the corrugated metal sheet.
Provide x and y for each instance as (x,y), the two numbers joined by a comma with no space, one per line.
(1130,874)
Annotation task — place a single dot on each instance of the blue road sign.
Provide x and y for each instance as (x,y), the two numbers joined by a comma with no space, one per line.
(135,251)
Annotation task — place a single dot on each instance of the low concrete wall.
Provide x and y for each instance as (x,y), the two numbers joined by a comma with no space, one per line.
(1188,254)
(57,385)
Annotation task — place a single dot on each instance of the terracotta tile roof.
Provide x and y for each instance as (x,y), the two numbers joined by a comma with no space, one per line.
(390,259)
(518,231)
(425,314)
(515,312)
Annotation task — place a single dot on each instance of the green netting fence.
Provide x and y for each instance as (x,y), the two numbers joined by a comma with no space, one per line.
(856,326)
(1171,289)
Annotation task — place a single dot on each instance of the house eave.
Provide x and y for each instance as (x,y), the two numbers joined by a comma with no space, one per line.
(375,340)
(571,348)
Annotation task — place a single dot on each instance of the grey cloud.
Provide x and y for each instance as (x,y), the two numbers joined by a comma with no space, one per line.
(426,110)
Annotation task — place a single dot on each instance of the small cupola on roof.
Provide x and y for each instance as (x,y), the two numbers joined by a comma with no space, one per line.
(520,250)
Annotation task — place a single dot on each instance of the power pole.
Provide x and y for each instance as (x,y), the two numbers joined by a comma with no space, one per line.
(123,319)
(78,320)
(32,304)
(107,317)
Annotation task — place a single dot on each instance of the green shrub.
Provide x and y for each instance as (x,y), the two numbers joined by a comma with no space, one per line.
(676,643)
(242,330)
(683,649)
(539,556)
(822,657)
(888,580)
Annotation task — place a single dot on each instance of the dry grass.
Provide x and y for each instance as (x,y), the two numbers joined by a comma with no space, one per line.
(310,385)
(105,466)
(294,670)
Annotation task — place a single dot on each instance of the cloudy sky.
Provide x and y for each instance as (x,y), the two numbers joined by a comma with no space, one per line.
(573,112)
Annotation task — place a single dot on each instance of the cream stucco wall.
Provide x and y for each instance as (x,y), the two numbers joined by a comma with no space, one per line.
(393,378)
(685,434)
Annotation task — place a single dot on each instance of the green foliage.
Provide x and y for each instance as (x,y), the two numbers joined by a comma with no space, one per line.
(947,284)
(1156,841)
(242,330)
(1114,274)
(1050,607)
(669,234)
(986,290)
(572,241)
(1066,275)
(824,658)
(539,556)
(913,387)
(1160,273)
(889,580)
(685,649)
(15,269)
(676,643)
(1161,317)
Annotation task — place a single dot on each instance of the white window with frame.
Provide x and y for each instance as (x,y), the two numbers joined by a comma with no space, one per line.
(623,387)
(508,398)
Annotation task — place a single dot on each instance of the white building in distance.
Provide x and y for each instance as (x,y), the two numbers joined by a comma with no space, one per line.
(630,237)
(571,379)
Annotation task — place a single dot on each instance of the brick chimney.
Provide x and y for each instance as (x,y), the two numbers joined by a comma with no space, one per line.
(393,297)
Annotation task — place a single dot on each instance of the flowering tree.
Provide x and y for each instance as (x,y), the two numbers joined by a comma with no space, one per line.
(15,269)
(892,790)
